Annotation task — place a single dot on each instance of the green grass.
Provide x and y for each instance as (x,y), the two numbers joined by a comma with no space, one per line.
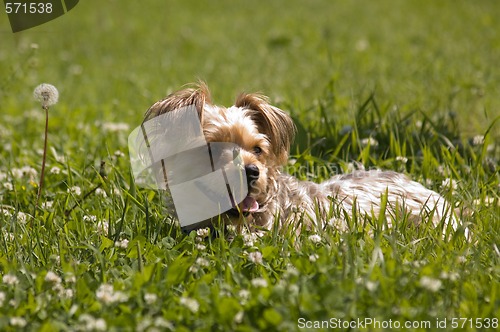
(418,78)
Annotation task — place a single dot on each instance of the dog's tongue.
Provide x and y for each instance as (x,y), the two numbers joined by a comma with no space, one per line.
(249,204)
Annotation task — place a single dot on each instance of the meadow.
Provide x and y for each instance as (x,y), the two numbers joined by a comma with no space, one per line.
(411,86)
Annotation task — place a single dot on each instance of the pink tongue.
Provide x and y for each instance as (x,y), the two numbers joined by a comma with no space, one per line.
(249,204)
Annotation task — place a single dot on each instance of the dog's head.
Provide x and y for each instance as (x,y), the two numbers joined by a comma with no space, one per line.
(262,132)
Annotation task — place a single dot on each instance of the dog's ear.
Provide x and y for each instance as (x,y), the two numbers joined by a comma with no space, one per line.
(273,122)
(198,95)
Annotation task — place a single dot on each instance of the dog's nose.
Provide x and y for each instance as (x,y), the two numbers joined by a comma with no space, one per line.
(252,172)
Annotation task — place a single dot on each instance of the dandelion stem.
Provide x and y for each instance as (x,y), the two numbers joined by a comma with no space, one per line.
(42,173)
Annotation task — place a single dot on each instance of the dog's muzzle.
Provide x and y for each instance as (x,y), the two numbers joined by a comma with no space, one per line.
(249,204)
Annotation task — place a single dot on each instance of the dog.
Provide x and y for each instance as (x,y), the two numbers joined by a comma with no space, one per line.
(264,134)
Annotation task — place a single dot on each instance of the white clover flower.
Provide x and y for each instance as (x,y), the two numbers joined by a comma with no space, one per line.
(291,271)
(362,45)
(102,227)
(52,277)
(259,282)
(249,239)
(17,321)
(461,259)
(163,324)
(63,292)
(238,318)
(430,284)
(478,140)
(244,294)
(201,246)
(55,170)
(369,141)
(202,262)
(402,159)
(315,238)
(255,257)
(17,173)
(67,293)
(488,201)
(27,171)
(190,303)
(115,126)
(8,186)
(92,324)
(47,94)
(90,218)
(203,232)
(449,183)
(122,244)
(119,154)
(9,236)
(453,276)
(313,257)
(70,278)
(101,192)
(75,190)
(3,176)
(106,294)
(293,289)
(6,212)
(47,204)
(22,217)
(193,269)
(371,285)
(2,298)
(231,229)
(150,298)
(10,279)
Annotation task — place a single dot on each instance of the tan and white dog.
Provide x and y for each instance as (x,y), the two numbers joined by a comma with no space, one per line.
(264,134)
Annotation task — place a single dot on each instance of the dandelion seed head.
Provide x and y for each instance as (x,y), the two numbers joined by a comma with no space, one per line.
(47,94)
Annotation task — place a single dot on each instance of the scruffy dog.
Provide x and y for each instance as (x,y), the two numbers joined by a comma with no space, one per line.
(264,134)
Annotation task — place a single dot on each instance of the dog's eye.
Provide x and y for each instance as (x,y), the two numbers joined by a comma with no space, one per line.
(257,150)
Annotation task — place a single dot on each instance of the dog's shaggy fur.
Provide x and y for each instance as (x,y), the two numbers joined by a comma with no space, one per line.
(264,134)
